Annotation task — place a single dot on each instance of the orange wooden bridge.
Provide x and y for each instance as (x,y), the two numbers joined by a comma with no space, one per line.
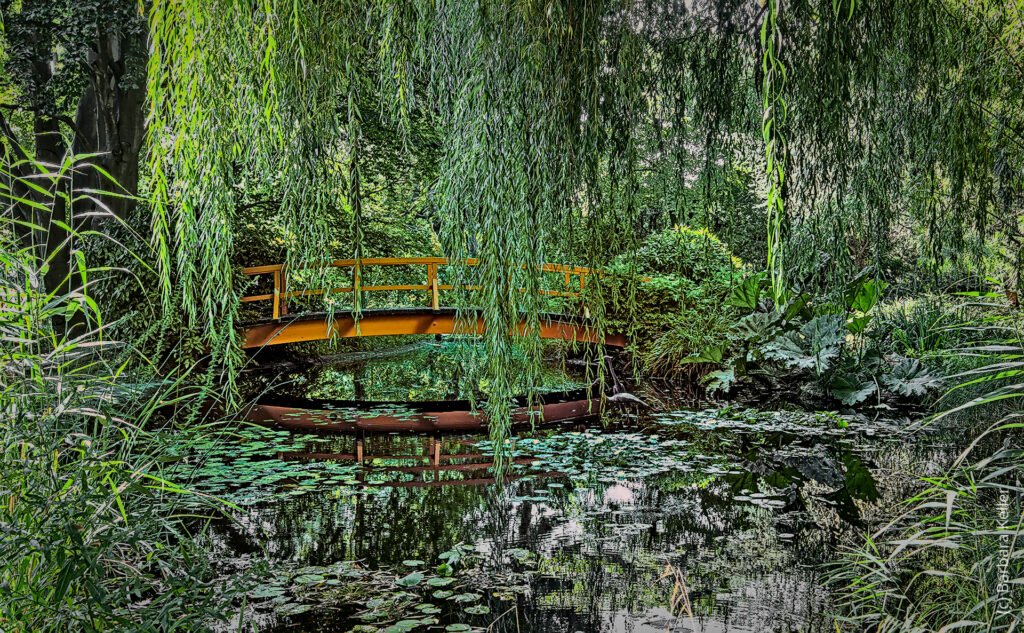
(282,326)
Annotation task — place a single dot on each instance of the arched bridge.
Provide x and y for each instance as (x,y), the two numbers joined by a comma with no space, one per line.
(283,325)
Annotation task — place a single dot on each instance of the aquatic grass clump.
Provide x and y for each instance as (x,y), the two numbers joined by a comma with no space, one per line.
(92,537)
(954,558)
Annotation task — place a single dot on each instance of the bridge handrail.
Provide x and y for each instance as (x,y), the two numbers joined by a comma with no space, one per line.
(281,293)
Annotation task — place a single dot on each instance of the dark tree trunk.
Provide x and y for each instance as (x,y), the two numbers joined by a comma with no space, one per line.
(110,123)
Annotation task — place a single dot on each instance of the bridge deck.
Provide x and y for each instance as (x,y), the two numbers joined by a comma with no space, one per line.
(316,326)
(284,327)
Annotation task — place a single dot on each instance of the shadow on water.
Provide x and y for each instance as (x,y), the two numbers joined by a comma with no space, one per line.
(714,520)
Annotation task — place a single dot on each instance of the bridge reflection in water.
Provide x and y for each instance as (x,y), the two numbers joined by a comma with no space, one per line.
(392,470)
(281,326)
(432,421)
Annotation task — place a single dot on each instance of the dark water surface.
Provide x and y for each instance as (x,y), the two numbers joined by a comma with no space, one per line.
(713,520)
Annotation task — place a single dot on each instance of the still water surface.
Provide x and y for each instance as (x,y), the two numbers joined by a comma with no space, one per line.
(678,520)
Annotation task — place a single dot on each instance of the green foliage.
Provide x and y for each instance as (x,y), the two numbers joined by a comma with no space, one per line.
(747,293)
(537,156)
(826,341)
(951,560)
(669,296)
(850,389)
(952,557)
(815,346)
(693,254)
(95,537)
(909,378)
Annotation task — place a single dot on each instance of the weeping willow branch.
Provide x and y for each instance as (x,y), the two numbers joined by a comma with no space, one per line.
(562,124)
(775,144)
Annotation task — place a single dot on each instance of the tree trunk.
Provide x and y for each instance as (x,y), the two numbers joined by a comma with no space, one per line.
(110,123)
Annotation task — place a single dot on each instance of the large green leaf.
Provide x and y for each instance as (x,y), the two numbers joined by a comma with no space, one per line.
(868,295)
(411,580)
(747,293)
(796,306)
(910,378)
(859,481)
(713,354)
(850,389)
(720,380)
(863,292)
(757,327)
(814,347)
(856,325)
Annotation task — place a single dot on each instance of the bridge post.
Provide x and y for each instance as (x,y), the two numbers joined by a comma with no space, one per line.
(283,278)
(432,283)
(277,294)
(357,287)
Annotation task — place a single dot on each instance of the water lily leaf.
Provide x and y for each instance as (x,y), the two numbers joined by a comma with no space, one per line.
(412,563)
(411,580)
(293,608)
(457,628)
(266,591)
(441,594)
(440,582)
(466,597)
(478,610)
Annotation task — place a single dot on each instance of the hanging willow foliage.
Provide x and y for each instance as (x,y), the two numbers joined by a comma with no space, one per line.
(551,113)
(775,142)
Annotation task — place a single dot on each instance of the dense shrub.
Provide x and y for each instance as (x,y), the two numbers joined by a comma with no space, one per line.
(694,254)
(669,296)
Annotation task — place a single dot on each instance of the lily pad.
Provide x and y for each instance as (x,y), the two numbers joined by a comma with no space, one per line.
(466,597)
(411,580)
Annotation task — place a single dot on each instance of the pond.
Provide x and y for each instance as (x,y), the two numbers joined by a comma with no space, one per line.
(718,519)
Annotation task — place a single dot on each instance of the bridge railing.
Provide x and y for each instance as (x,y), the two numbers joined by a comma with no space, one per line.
(573,277)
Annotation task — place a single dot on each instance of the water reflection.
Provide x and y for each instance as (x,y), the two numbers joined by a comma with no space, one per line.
(591,529)
(585,524)
(431,370)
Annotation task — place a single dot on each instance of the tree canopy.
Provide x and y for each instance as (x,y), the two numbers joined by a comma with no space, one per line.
(556,130)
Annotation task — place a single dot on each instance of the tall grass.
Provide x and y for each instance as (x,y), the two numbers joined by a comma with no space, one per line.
(953,556)
(92,537)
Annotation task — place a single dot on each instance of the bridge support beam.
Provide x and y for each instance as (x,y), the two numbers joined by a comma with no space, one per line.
(397,322)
